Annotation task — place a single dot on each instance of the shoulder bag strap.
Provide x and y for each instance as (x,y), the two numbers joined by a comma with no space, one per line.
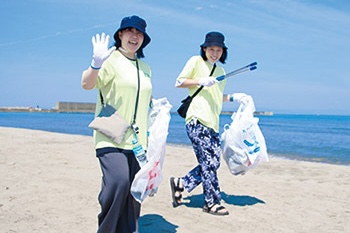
(199,89)
(137,96)
(101,97)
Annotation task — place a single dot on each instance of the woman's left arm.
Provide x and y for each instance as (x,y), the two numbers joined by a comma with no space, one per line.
(227,98)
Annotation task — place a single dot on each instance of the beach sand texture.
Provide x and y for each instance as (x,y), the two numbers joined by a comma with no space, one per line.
(50,183)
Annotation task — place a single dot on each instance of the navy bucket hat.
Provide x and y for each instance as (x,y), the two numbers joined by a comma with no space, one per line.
(214,39)
(134,22)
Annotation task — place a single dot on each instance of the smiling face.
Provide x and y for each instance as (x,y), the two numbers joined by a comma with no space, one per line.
(213,53)
(131,41)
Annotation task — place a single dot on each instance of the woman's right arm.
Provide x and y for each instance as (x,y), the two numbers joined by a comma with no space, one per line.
(89,78)
(100,53)
(205,81)
(186,83)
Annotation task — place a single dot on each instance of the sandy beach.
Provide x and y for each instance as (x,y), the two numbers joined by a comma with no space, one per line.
(50,183)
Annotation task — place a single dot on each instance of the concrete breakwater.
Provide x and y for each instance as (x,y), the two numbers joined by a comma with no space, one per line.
(88,108)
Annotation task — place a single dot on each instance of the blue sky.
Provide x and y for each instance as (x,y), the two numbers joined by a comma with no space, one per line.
(302,49)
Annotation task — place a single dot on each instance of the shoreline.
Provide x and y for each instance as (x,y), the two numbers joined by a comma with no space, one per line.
(80,109)
(188,146)
(50,183)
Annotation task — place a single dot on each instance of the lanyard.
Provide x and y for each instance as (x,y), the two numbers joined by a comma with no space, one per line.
(133,124)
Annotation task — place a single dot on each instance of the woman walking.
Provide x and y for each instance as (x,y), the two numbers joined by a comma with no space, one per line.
(202,122)
(124,82)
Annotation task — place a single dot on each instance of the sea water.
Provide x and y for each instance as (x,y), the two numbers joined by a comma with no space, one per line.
(319,138)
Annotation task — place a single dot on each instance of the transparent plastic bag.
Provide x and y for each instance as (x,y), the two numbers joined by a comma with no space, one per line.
(242,142)
(148,179)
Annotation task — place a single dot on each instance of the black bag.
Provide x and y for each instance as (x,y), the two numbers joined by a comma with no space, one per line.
(182,110)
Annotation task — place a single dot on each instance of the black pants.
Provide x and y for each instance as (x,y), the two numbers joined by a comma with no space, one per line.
(119,210)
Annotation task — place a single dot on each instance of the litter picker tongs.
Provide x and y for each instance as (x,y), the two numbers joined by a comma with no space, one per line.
(250,67)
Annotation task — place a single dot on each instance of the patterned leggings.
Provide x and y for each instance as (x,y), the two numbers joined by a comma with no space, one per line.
(206,145)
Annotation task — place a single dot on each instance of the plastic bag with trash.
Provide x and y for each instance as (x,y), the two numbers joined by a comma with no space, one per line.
(149,177)
(242,142)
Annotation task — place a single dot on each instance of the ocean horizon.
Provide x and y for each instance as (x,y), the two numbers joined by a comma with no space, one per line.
(316,138)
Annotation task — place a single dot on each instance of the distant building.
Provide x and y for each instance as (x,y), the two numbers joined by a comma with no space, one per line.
(257,113)
(75,107)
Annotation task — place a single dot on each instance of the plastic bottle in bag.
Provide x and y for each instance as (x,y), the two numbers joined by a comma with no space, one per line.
(139,152)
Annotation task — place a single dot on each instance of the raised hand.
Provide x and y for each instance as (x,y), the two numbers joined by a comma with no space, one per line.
(100,50)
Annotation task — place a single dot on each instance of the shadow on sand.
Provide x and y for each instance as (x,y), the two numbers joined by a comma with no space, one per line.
(197,201)
(151,223)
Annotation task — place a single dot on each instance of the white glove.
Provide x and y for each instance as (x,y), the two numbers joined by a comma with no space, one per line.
(207,81)
(100,50)
(240,98)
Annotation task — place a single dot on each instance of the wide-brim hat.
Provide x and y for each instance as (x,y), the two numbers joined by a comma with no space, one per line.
(214,39)
(134,22)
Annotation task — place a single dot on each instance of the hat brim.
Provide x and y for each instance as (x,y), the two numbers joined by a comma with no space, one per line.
(213,44)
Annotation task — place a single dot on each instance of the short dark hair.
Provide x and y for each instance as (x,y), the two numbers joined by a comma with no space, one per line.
(222,58)
(118,43)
